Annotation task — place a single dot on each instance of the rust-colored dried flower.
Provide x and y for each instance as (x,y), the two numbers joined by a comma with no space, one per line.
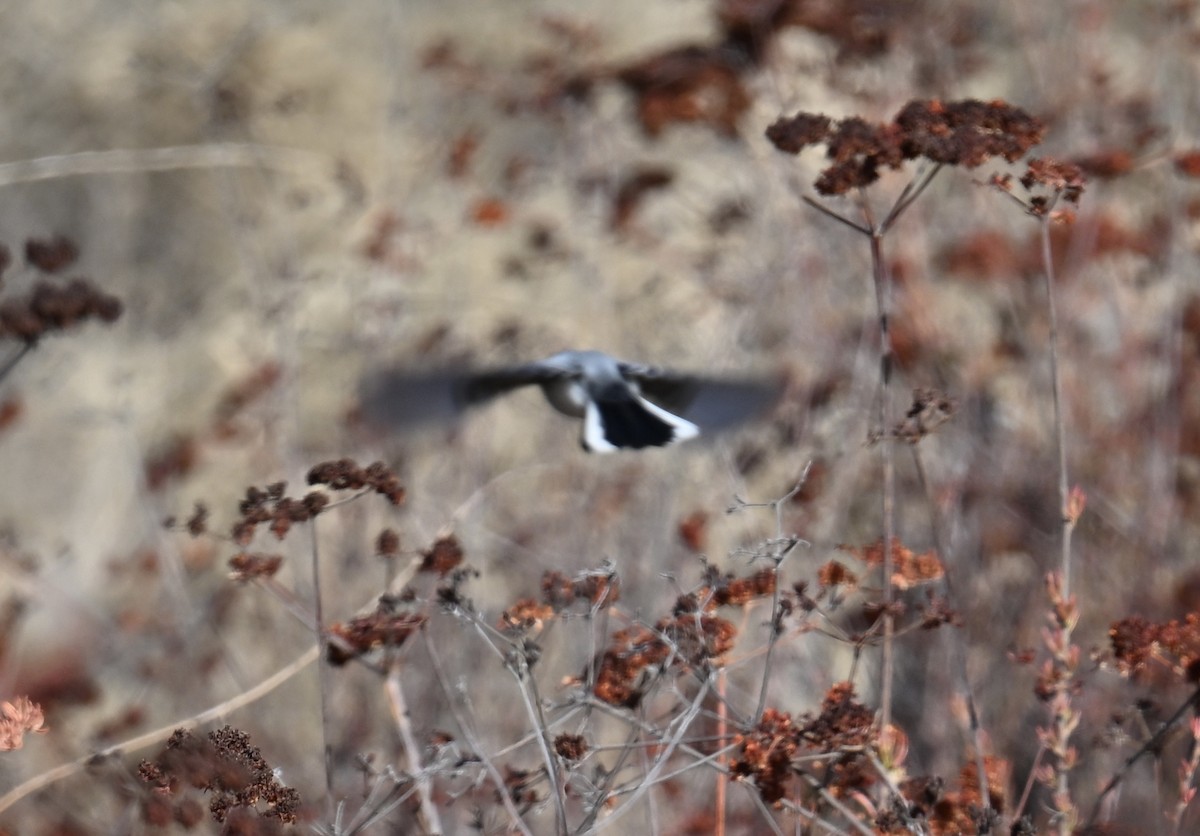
(731,591)
(631,652)
(693,531)
(909,569)
(571,747)
(1063,178)
(765,754)
(50,255)
(1188,163)
(597,588)
(964,133)
(51,306)
(835,573)
(525,615)
(843,722)
(443,556)
(245,566)
(17,717)
(701,640)
(363,634)
(388,543)
(694,83)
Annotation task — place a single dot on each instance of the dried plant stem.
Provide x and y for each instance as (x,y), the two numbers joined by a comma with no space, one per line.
(1060,424)
(1064,614)
(12,361)
(412,751)
(959,646)
(175,158)
(218,711)
(1154,744)
(721,777)
(323,672)
(782,548)
(883,299)
(468,732)
(517,664)
(682,724)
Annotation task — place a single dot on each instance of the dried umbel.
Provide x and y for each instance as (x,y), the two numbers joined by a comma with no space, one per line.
(964,133)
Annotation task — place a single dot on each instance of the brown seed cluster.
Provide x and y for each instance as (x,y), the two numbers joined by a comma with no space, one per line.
(443,557)
(685,640)
(52,306)
(364,634)
(226,768)
(270,505)
(964,133)
(598,589)
(345,474)
(909,569)
(767,754)
(1136,642)
(246,566)
(571,747)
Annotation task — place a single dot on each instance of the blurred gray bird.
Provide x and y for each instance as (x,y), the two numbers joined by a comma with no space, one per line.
(623,405)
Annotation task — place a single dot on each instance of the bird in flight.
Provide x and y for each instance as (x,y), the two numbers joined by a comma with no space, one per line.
(624,406)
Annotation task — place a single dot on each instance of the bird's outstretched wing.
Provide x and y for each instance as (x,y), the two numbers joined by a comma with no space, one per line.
(713,403)
(403,398)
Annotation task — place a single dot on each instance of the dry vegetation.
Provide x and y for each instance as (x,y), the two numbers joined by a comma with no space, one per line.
(948,586)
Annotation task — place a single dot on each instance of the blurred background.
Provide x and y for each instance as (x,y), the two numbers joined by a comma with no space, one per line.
(285,195)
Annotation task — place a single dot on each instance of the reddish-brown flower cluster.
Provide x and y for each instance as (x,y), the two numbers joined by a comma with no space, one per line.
(345,474)
(52,306)
(944,813)
(227,769)
(834,573)
(525,615)
(1176,644)
(966,133)
(443,557)
(909,569)
(1046,180)
(245,566)
(844,727)
(631,652)
(51,255)
(361,635)
(269,505)
(691,637)
(731,591)
(690,83)
(765,755)
(598,589)
(387,544)
(571,747)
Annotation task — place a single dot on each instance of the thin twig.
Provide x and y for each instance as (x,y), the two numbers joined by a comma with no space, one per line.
(323,672)
(832,214)
(468,732)
(1154,744)
(957,648)
(412,751)
(16,358)
(141,160)
(673,743)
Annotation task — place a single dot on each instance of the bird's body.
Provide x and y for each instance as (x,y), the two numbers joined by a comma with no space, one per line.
(623,405)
